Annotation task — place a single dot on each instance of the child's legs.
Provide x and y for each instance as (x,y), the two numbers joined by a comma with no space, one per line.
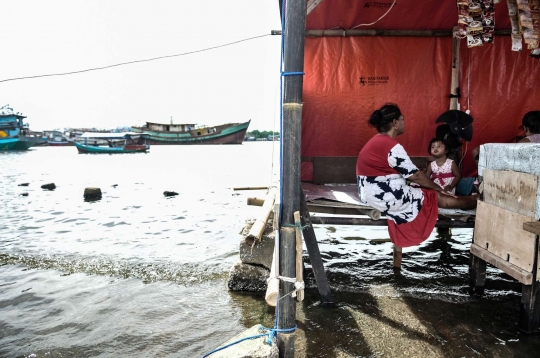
(461,202)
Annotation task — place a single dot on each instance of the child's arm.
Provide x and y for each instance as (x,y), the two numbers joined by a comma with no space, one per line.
(457,177)
(428,170)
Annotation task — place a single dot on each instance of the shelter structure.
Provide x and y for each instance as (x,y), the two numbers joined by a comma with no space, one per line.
(358,55)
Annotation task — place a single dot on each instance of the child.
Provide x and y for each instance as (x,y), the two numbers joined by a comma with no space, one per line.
(442,171)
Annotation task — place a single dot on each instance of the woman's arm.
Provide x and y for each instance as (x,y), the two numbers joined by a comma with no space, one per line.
(422,179)
(400,161)
(524,140)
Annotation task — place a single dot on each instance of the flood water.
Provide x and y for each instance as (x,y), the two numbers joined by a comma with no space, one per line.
(142,275)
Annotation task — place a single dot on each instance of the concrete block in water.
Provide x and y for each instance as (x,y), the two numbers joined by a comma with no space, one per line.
(261,253)
(50,186)
(246,277)
(252,348)
(91,194)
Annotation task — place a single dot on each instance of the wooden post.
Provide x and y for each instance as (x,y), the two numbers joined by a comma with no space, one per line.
(294,25)
(398,252)
(477,275)
(529,313)
(315,254)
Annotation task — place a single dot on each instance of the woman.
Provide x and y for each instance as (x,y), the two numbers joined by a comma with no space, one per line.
(381,169)
(531,127)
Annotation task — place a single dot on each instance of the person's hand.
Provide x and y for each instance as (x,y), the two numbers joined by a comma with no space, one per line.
(443,192)
(448,188)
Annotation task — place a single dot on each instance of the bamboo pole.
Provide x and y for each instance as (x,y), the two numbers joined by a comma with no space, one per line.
(251,188)
(299,262)
(454,85)
(260,223)
(294,25)
(383,32)
(272,290)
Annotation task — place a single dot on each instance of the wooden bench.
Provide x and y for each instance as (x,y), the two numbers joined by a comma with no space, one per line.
(342,170)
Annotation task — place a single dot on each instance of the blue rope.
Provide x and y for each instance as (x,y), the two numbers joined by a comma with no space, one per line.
(271,333)
(293,73)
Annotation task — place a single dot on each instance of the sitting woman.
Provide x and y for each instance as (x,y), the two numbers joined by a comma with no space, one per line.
(530,124)
(531,127)
(382,169)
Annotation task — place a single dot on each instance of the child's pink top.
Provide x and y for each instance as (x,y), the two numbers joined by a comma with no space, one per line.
(442,175)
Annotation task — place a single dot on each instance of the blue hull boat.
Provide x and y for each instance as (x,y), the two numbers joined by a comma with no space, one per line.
(14,132)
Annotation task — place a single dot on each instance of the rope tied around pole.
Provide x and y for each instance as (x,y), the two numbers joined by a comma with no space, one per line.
(292,73)
(296,225)
(298,285)
(271,333)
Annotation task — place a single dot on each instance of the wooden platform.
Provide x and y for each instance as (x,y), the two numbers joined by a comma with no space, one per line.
(506,235)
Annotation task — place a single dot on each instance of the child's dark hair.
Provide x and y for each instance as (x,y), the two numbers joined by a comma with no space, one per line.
(531,120)
(435,140)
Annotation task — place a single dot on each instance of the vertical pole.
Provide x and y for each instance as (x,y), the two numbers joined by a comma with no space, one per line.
(477,275)
(398,253)
(454,84)
(529,313)
(293,63)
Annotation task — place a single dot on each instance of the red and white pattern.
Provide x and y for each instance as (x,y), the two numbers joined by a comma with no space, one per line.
(440,174)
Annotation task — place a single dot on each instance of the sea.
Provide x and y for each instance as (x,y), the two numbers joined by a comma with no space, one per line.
(140,274)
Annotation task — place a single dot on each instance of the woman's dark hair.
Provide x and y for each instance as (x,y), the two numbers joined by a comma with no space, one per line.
(436,140)
(383,117)
(531,120)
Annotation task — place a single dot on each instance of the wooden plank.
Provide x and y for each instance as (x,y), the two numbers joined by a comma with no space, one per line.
(342,170)
(334,170)
(517,273)
(500,232)
(314,254)
(533,227)
(336,220)
(511,190)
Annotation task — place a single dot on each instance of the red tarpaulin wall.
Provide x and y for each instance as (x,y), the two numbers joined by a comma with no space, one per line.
(347,78)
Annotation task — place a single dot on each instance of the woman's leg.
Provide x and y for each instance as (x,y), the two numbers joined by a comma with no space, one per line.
(461,202)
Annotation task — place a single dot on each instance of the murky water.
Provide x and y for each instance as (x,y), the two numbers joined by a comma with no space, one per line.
(139,274)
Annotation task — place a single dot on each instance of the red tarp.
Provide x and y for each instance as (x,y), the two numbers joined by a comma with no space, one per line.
(349,77)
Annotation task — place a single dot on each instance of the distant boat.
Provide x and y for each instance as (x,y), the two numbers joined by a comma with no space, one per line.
(57,139)
(128,142)
(14,133)
(159,133)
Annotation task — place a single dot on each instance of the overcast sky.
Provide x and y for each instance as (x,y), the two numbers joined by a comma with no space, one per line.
(229,84)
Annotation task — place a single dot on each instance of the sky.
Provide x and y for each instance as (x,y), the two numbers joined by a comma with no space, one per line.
(229,84)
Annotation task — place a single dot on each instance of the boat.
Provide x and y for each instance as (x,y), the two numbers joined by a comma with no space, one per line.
(14,133)
(127,142)
(159,133)
(57,139)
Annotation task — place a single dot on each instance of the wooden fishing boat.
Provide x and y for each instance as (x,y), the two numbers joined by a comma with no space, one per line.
(128,142)
(14,133)
(159,133)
